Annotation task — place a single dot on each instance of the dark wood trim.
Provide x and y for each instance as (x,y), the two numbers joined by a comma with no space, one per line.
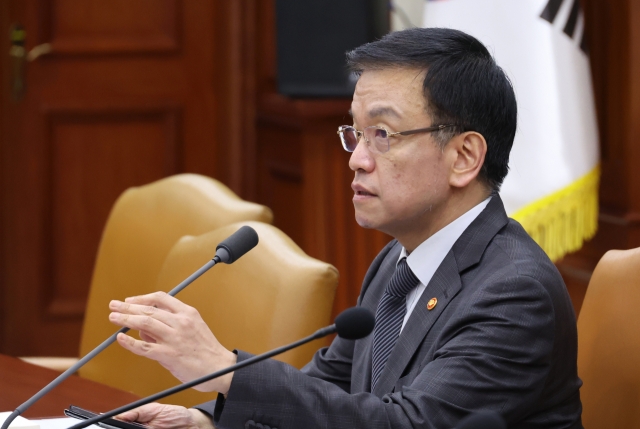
(4,108)
(614,44)
(20,380)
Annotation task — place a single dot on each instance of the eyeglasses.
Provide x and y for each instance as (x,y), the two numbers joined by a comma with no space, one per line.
(379,136)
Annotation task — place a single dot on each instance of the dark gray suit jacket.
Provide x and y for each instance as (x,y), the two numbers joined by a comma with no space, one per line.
(502,337)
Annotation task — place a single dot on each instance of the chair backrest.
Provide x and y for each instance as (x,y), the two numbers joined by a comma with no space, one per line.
(273,295)
(143,225)
(609,343)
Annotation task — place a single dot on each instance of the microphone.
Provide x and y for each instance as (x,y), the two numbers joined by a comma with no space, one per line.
(352,324)
(236,245)
(482,420)
(227,252)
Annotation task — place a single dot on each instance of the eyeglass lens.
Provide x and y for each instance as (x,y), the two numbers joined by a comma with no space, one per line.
(349,138)
(377,138)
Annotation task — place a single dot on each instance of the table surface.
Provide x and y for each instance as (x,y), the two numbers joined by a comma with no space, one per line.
(20,380)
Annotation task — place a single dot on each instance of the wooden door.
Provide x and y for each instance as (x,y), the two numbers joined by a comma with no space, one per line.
(132,91)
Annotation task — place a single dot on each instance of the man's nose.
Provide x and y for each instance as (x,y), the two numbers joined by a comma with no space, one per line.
(361,158)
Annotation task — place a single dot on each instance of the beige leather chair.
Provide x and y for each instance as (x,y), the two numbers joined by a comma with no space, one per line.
(273,295)
(144,223)
(609,343)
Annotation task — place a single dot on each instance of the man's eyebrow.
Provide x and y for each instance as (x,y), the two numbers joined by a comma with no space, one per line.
(379,111)
(383,111)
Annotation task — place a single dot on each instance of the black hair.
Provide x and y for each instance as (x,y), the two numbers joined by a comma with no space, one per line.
(463,86)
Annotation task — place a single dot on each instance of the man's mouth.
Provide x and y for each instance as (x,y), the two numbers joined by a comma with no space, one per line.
(361,191)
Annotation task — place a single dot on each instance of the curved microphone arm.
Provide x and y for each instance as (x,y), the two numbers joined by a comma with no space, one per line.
(352,324)
(228,251)
(179,388)
(93,353)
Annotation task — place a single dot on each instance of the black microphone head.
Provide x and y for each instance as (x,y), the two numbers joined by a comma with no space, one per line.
(354,323)
(237,244)
(482,420)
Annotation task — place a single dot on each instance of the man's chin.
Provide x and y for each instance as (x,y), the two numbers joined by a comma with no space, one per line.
(363,222)
(375,223)
(367,223)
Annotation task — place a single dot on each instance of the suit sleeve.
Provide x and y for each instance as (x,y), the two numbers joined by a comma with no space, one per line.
(332,364)
(493,354)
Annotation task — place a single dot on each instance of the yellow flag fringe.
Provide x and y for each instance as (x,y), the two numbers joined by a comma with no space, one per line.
(562,221)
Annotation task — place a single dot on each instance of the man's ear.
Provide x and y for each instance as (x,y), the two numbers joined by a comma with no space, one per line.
(467,151)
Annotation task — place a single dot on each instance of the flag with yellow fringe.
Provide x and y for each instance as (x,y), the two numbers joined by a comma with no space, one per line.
(552,186)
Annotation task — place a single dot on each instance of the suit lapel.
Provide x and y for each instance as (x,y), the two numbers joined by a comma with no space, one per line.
(444,286)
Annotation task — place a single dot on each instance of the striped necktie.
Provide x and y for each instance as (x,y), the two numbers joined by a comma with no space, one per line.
(389,317)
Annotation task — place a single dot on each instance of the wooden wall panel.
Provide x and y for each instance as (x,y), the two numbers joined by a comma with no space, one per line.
(281,178)
(236,38)
(80,27)
(95,156)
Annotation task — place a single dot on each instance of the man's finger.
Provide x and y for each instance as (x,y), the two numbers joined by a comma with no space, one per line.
(142,414)
(146,337)
(163,316)
(128,416)
(141,348)
(154,328)
(158,299)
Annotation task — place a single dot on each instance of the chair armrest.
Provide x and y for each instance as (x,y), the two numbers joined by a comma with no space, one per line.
(56,363)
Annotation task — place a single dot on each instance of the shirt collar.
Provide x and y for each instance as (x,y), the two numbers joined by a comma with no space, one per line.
(426,258)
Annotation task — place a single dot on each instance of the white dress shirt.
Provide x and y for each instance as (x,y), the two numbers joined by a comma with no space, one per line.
(427,257)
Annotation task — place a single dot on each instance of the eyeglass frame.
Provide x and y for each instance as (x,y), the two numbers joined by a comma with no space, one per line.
(360,134)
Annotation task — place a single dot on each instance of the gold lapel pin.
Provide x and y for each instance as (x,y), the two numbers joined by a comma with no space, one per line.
(432,303)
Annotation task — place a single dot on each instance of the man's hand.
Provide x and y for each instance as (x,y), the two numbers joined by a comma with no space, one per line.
(160,416)
(175,335)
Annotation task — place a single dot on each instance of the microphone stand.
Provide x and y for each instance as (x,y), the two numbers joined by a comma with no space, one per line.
(228,251)
(320,333)
(106,343)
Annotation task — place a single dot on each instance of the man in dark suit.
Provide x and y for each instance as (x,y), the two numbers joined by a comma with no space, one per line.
(470,312)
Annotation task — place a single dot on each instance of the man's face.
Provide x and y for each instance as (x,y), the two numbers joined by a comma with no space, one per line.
(401,191)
